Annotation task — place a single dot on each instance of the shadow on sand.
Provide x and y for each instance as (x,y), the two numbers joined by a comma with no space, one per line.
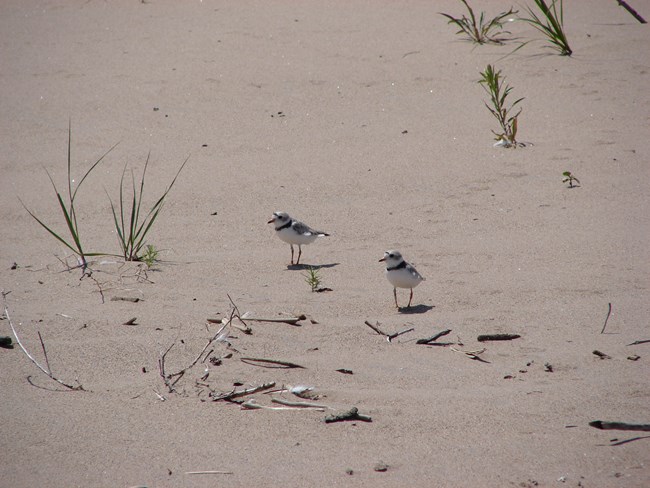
(415,309)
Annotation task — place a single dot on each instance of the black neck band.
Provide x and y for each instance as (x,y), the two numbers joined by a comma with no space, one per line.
(285,226)
(399,266)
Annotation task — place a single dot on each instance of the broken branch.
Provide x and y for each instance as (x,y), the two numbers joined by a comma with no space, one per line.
(352,414)
(497,337)
(289,403)
(264,363)
(435,337)
(632,12)
(600,424)
(375,327)
(286,320)
(397,334)
(240,393)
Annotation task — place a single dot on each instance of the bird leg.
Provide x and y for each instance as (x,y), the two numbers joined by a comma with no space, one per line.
(395,295)
(299,254)
(411,298)
(291,253)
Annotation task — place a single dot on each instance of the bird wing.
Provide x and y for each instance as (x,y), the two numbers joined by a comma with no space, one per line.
(305,230)
(414,272)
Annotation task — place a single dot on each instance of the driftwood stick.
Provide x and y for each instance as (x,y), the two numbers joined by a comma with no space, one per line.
(397,334)
(435,337)
(289,403)
(267,363)
(240,393)
(285,320)
(600,424)
(375,327)
(352,414)
(497,337)
(253,405)
(609,312)
(633,12)
(47,371)
(635,343)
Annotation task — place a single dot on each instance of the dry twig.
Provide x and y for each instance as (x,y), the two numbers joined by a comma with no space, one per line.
(632,12)
(285,320)
(47,370)
(389,337)
(600,424)
(497,337)
(609,312)
(167,377)
(433,338)
(289,403)
(472,354)
(397,334)
(375,328)
(352,414)
(236,394)
(267,363)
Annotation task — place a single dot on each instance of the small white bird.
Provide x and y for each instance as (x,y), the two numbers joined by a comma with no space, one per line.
(295,232)
(400,274)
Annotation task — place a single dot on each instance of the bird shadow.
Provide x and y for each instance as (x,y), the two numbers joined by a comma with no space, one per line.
(302,267)
(415,309)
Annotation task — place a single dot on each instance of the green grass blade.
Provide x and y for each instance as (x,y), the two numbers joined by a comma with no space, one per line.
(54,234)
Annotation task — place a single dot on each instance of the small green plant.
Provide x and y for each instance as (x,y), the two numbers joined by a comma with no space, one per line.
(132,230)
(550,22)
(570,179)
(150,255)
(493,83)
(313,278)
(481,30)
(69,211)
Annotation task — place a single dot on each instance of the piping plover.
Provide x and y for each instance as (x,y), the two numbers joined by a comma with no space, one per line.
(293,232)
(400,274)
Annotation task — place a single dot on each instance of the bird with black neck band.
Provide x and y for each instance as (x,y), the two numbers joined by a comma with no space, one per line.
(401,274)
(294,232)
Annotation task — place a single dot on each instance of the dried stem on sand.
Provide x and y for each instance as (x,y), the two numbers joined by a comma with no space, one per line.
(47,370)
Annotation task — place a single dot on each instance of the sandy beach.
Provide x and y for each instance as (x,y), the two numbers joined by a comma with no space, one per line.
(365,120)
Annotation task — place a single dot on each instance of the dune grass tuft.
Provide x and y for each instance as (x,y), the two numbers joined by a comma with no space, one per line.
(131,226)
(481,30)
(69,211)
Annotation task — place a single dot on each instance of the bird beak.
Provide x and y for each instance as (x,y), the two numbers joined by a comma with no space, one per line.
(382,259)
(271,221)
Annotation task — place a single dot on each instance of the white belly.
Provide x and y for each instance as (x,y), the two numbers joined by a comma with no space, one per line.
(291,237)
(403,278)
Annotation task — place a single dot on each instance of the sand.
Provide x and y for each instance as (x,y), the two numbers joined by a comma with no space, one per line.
(364,119)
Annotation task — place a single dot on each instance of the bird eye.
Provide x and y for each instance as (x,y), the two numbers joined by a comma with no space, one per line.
(391,255)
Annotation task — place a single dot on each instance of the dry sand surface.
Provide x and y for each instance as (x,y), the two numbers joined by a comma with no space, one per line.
(363,119)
